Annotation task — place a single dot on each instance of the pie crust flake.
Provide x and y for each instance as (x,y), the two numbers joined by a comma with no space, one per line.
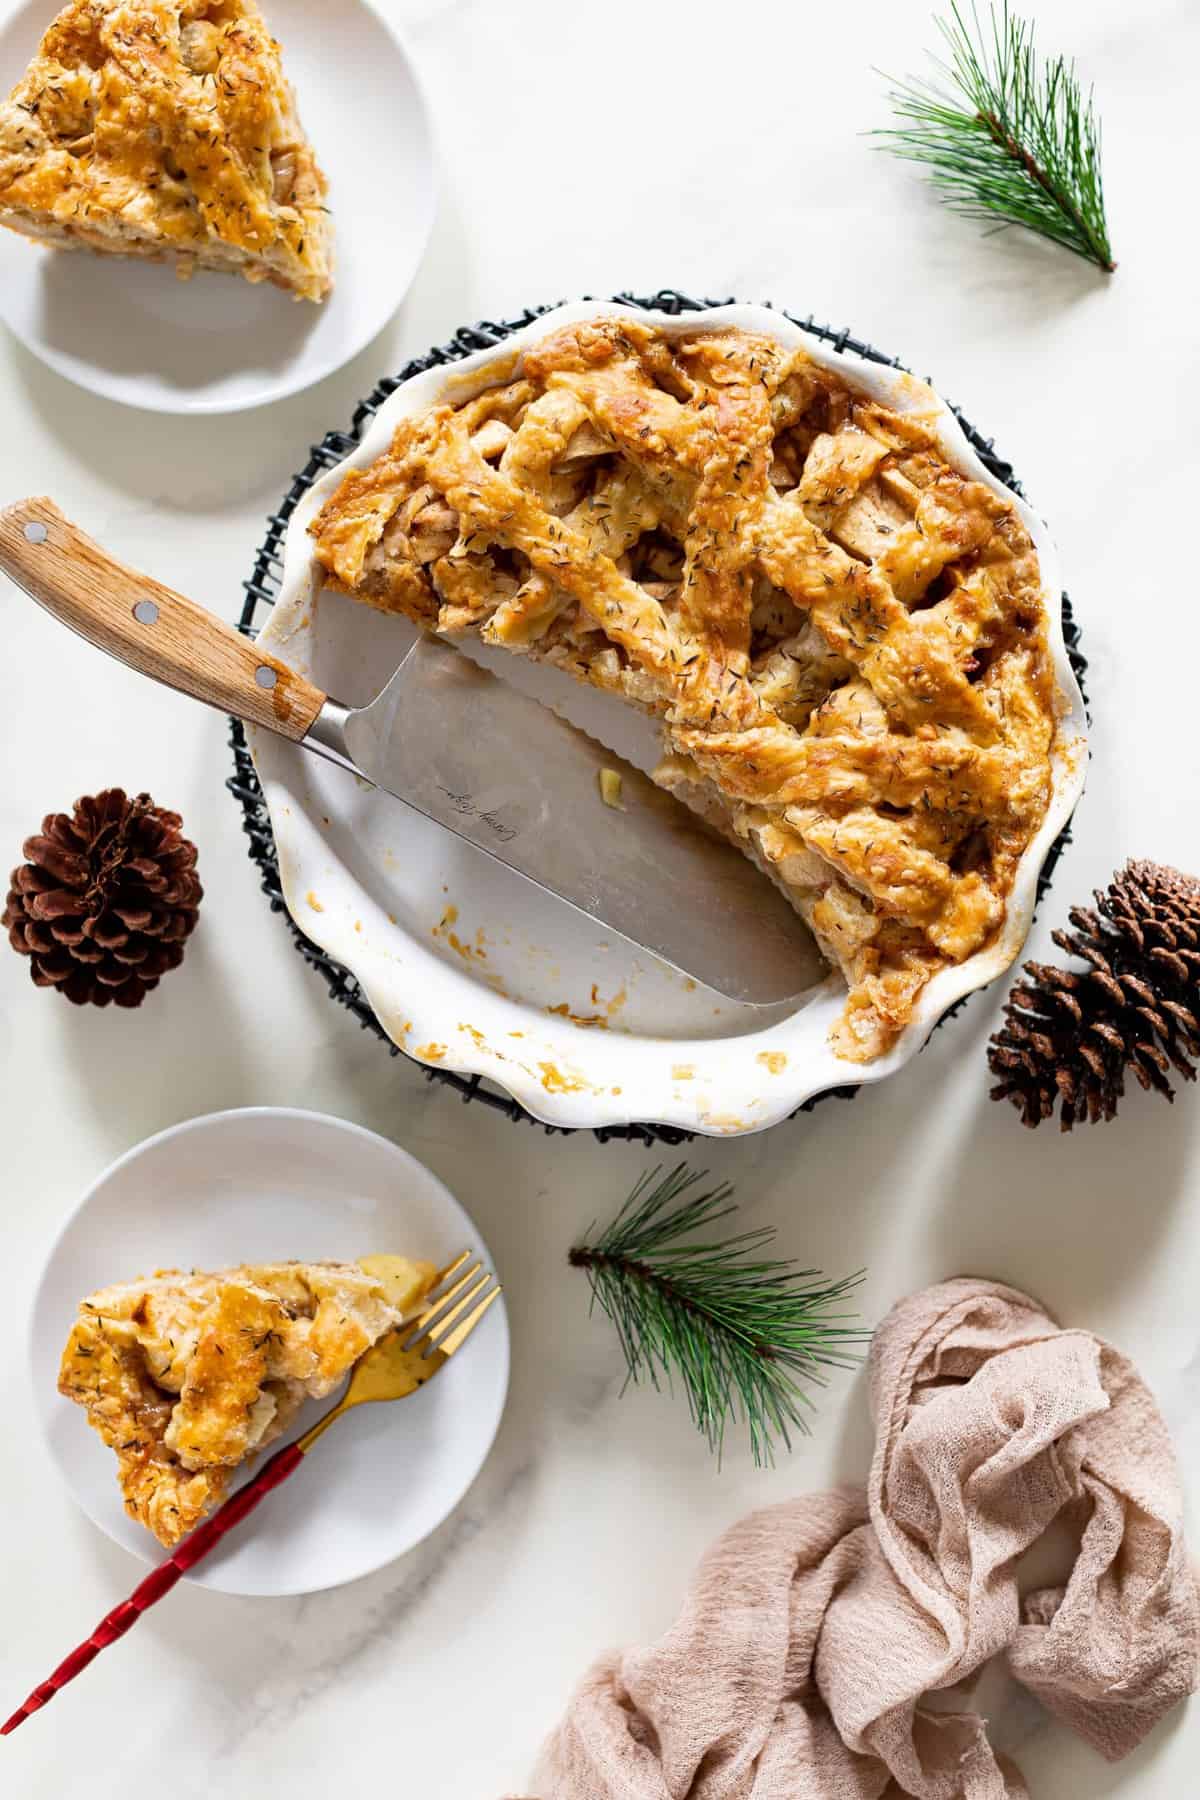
(186,1375)
(166,129)
(843,636)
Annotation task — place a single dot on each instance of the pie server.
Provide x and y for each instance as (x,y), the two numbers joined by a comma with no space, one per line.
(466,749)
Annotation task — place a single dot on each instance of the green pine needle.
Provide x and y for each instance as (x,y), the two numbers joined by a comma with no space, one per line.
(1005,137)
(739,1331)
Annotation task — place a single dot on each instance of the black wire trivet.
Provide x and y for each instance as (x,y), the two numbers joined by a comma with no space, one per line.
(263,587)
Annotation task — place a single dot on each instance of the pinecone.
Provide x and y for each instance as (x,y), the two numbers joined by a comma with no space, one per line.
(105,899)
(1070,1036)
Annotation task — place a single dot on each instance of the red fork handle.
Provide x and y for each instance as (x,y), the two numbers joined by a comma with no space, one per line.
(161,1580)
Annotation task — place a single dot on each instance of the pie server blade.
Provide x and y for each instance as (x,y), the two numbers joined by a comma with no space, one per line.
(467,750)
(508,774)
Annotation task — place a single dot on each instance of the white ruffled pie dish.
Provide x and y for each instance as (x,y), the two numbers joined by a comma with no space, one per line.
(470,969)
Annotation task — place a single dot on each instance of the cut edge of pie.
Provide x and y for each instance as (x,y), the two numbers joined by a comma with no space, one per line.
(186,1374)
(843,635)
(166,130)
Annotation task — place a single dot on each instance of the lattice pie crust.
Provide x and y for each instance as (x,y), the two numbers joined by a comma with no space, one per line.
(844,637)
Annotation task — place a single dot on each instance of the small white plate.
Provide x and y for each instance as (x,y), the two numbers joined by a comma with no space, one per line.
(269,1184)
(132,331)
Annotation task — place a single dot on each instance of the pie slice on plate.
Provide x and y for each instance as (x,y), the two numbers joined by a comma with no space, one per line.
(166,129)
(187,1375)
(843,636)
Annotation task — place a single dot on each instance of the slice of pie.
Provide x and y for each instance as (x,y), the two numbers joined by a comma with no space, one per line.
(166,129)
(844,636)
(186,1375)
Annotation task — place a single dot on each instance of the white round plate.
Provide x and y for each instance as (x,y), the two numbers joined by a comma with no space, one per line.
(268,1184)
(134,332)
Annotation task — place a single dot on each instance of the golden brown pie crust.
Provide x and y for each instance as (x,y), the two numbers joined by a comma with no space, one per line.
(186,1375)
(165,129)
(844,637)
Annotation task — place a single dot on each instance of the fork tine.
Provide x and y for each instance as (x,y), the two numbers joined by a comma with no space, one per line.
(449,1270)
(439,1302)
(465,1327)
(432,1329)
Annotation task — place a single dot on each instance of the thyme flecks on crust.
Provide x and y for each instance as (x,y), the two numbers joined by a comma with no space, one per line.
(843,636)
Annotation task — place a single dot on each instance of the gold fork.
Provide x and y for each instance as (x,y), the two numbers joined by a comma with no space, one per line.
(405,1359)
(394,1367)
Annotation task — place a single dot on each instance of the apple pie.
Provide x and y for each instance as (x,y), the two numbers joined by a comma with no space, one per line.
(186,1375)
(843,636)
(166,129)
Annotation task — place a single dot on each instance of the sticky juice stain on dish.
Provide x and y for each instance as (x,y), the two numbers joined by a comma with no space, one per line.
(586,1021)
(611,1007)
(555,1082)
(476,952)
(683,1072)
(430,1052)
(313,901)
(775,1060)
(1071,754)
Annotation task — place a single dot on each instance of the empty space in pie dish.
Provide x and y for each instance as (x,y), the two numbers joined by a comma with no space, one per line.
(358,856)
(468,966)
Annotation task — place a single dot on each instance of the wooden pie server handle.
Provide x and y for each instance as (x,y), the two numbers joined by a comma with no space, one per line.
(147,626)
(161,1580)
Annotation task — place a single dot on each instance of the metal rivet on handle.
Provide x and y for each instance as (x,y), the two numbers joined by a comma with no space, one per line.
(146,612)
(36,532)
(265,677)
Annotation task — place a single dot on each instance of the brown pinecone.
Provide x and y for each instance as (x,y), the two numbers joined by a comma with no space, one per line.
(1070,1036)
(105,899)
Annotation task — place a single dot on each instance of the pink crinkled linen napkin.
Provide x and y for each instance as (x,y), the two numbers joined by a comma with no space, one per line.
(814,1631)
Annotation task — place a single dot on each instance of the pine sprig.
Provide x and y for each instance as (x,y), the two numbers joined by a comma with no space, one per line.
(1006,137)
(739,1330)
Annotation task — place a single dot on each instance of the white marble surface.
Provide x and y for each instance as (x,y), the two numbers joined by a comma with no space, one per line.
(589,149)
